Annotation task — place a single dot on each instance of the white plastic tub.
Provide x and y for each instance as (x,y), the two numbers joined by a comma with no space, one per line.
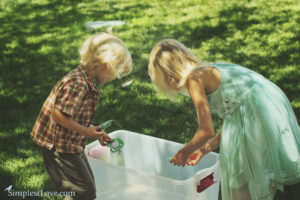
(142,171)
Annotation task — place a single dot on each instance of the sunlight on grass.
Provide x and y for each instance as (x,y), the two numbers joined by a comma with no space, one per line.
(28,153)
(147,131)
(35,181)
(46,49)
(296,104)
(16,165)
(286,72)
(39,39)
(8,92)
(20,130)
(4,134)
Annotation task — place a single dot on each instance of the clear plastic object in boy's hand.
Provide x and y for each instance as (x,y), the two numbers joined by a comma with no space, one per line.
(116,145)
(106,124)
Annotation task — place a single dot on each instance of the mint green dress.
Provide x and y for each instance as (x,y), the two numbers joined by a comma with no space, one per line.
(260,141)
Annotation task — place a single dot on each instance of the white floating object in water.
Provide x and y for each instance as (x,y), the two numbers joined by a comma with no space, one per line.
(127,83)
(98,24)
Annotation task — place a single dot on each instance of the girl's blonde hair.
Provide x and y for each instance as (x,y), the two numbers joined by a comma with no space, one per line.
(106,48)
(170,64)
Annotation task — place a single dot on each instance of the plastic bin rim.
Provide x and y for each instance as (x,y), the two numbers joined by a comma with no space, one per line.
(178,182)
(153,137)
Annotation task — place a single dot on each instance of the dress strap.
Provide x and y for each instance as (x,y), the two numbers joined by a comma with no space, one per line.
(201,67)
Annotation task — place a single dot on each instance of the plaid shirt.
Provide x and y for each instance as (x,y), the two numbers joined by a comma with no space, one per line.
(76,96)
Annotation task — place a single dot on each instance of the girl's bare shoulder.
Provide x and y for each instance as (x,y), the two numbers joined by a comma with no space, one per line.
(209,78)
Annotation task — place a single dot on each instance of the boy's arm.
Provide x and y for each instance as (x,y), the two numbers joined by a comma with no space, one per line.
(67,122)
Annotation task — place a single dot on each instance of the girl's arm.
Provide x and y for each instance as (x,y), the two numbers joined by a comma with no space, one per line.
(211,145)
(196,84)
(90,132)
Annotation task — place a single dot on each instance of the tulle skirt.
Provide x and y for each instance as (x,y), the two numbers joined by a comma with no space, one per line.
(260,145)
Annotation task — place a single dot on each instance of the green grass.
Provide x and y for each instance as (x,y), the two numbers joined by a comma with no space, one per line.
(39,41)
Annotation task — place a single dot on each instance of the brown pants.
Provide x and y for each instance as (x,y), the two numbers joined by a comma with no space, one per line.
(70,173)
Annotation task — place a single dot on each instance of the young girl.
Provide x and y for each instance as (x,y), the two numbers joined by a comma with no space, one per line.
(65,118)
(260,139)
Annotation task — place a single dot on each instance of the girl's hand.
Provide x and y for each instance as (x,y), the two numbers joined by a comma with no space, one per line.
(180,158)
(195,157)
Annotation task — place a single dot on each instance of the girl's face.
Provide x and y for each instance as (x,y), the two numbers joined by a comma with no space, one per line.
(103,74)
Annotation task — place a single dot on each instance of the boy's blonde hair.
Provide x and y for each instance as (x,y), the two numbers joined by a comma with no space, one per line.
(106,48)
(170,64)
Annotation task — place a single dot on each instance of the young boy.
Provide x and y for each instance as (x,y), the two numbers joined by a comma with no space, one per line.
(65,118)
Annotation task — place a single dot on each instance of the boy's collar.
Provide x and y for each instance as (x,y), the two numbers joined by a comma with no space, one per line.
(89,80)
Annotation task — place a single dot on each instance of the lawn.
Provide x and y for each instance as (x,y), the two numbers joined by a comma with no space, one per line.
(39,41)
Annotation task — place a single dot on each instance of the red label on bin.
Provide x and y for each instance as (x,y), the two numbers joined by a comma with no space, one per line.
(205,183)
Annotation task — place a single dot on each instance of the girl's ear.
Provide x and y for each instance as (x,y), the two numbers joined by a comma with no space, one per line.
(172,81)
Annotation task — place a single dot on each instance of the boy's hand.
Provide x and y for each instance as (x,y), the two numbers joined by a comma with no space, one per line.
(93,132)
(104,139)
(96,132)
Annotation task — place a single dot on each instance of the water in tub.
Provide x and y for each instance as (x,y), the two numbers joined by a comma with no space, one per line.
(104,154)
(144,155)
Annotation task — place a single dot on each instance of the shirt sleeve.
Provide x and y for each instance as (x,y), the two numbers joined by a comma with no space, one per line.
(70,97)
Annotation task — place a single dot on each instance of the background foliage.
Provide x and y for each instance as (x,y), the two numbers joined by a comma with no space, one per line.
(39,41)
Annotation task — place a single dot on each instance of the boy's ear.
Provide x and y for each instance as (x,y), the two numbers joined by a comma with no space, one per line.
(104,65)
